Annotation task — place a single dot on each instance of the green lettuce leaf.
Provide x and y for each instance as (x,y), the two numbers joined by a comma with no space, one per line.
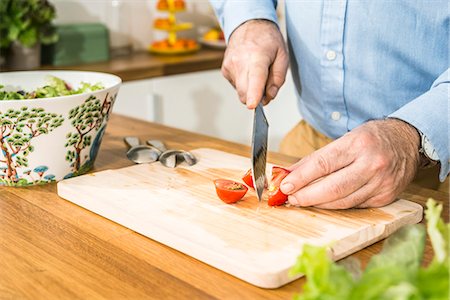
(396,273)
(433,282)
(438,231)
(326,280)
(395,268)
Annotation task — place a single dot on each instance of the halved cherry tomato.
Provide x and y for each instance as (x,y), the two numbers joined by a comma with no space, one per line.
(248,178)
(276,197)
(230,191)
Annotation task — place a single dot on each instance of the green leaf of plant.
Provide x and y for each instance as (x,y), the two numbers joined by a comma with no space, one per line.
(29,37)
(13,32)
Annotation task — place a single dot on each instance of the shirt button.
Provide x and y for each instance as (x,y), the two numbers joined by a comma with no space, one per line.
(335,115)
(331,55)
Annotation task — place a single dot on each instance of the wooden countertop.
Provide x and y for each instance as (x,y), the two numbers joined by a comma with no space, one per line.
(143,65)
(53,249)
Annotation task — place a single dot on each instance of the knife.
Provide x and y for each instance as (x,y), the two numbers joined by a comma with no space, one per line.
(259,149)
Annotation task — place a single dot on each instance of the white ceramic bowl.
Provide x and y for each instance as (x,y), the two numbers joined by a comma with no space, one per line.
(46,140)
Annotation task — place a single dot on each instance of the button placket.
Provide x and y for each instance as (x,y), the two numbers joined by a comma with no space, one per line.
(332,66)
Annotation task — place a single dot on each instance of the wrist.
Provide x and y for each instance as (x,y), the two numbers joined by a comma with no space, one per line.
(261,24)
(426,153)
(410,135)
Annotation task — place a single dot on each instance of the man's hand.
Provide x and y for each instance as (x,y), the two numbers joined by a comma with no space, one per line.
(256,61)
(367,167)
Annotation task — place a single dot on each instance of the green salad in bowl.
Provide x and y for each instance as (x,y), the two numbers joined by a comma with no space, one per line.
(52,123)
(55,87)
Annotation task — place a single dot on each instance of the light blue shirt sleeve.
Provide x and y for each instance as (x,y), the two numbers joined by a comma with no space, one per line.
(433,119)
(233,13)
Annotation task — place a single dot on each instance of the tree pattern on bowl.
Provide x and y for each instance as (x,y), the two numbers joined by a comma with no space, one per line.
(35,177)
(18,127)
(87,118)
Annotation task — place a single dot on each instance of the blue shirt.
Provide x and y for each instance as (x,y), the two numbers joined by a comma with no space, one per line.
(353,61)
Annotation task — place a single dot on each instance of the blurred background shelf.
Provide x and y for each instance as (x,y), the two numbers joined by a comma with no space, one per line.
(142,65)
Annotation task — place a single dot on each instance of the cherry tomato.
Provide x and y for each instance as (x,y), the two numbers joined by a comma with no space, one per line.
(248,178)
(276,197)
(229,191)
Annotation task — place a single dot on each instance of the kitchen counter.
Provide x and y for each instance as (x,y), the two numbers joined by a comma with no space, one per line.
(51,248)
(143,65)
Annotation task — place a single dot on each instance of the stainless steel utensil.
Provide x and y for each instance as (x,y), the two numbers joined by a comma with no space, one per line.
(157,144)
(141,154)
(171,158)
(259,149)
(189,158)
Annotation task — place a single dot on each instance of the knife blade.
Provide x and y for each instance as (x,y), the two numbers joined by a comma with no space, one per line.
(259,149)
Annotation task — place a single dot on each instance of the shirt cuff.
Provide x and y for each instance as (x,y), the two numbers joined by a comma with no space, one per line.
(429,113)
(231,14)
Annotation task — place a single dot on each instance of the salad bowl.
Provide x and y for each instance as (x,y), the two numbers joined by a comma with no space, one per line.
(52,123)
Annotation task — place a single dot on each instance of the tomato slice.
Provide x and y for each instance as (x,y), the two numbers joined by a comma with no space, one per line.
(248,178)
(230,191)
(276,197)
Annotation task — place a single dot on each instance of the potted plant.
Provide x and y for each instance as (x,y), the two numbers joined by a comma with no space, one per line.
(25,25)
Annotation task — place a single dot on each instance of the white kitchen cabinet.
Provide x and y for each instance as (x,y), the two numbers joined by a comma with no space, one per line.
(204,102)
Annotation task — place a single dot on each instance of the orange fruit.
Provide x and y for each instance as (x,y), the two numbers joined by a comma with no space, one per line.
(179,4)
(162,4)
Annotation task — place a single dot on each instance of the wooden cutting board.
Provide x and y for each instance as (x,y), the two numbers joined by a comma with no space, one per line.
(250,240)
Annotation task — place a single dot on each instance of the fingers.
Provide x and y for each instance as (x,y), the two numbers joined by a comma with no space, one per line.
(367,167)
(258,71)
(378,200)
(242,87)
(345,184)
(227,73)
(352,200)
(255,55)
(365,196)
(277,76)
(248,78)
(319,164)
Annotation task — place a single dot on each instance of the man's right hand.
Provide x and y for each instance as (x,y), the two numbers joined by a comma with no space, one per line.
(256,61)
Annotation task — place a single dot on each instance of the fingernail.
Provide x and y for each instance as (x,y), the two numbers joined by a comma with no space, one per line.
(273,91)
(287,187)
(250,103)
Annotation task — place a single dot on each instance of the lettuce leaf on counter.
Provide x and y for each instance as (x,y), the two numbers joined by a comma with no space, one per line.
(396,273)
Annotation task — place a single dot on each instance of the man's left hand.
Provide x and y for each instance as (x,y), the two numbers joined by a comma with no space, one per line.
(367,167)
